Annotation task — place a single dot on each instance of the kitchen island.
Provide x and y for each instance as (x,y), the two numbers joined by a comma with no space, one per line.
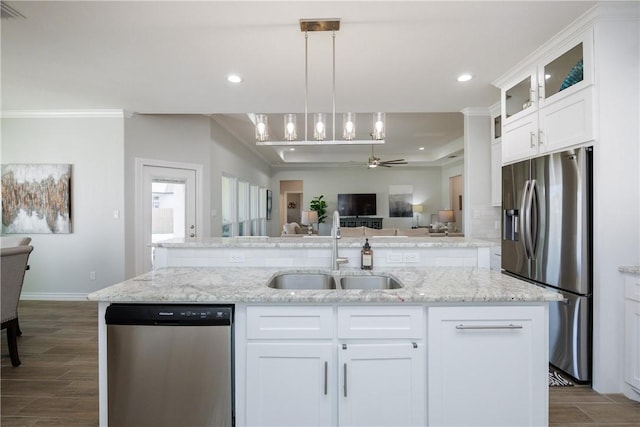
(452,346)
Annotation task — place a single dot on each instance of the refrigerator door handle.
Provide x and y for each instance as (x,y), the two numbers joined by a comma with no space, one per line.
(533,218)
(524,219)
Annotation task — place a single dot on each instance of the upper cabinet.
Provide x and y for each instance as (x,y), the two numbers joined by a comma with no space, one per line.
(547,105)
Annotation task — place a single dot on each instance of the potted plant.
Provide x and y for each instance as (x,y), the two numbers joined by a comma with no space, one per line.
(319,205)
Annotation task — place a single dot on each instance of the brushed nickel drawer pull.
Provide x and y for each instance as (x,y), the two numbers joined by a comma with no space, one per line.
(509,326)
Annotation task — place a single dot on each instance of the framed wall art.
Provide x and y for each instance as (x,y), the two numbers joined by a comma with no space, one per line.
(36,198)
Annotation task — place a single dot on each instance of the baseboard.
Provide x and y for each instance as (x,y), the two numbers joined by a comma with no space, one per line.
(53,296)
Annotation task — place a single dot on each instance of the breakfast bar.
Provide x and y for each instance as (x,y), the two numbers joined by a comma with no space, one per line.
(432,345)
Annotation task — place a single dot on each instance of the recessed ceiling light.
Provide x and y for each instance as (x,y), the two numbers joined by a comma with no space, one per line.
(292,149)
(464,77)
(421,148)
(234,78)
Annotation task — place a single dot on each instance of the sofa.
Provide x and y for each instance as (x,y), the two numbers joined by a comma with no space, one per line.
(293,229)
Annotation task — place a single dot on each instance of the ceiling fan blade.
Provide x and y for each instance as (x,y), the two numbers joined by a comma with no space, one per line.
(384,166)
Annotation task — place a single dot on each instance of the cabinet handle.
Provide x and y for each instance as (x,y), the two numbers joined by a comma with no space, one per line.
(540,137)
(540,92)
(532,139)
(326,369)
(345,379)
(509,326)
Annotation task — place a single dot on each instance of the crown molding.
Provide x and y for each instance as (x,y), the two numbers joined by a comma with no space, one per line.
(63,114)
(475,111)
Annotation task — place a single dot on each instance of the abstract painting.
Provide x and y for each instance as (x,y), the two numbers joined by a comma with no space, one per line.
(36,198)
(400,197)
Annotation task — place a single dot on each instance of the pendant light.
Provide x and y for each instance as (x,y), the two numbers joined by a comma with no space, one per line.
(319,119)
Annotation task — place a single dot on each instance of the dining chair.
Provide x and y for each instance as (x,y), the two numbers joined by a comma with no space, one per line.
(14,264)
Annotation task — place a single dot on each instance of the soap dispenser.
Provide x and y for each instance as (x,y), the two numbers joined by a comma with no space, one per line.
(366,256)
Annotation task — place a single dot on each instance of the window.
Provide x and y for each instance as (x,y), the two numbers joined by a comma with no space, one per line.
(244,208)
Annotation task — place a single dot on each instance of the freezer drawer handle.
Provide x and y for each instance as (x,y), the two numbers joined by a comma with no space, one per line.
(509,326)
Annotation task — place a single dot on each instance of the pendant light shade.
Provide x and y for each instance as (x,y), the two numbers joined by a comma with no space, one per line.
(290,127)
(319,126)
(378,126)
(349,126)
(262,127)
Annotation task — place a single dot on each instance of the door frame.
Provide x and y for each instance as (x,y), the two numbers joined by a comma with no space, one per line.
(140,164)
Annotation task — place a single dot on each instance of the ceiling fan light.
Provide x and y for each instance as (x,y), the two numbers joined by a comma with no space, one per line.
(290,127)
(378,126)
(262,127)
(319,126)
(349,126)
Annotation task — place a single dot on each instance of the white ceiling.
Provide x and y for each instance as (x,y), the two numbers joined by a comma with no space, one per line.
(173,57)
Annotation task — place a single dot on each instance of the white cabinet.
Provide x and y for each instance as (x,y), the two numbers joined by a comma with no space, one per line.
(632,331)
(289,384)
(548,105)
(292,378)
(382,384)
(487,366)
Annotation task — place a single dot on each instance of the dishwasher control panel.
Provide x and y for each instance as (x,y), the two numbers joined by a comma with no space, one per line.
(169,314)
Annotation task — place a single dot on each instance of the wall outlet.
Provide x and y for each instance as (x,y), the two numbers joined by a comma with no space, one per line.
(92,275)
(411,257)
(236,258)
(394,257)
(496,225)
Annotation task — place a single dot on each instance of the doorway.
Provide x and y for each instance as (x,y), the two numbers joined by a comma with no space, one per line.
(291,200)
(455,200)
(166,206)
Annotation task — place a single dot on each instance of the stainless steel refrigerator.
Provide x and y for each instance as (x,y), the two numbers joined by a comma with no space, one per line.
(547,239)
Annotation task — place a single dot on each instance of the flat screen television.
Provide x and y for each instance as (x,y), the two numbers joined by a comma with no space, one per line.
(357,204)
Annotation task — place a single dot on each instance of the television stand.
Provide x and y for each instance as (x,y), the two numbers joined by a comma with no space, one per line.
(361,221)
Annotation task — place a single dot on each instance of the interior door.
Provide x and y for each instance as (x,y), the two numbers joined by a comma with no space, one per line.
(168,209)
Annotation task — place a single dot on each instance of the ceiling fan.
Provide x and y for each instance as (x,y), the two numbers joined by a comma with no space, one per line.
(374,161)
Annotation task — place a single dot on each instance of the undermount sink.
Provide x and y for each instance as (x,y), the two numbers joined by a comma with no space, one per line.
(302,281)
(369,282)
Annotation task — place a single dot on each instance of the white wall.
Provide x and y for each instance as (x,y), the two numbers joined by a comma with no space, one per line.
(426,181)
(61,263)
(230,157)
(479,215)
(616,189)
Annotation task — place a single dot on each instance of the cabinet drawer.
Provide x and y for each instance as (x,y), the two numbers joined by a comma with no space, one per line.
(632,288)
(380,322)
(289,322)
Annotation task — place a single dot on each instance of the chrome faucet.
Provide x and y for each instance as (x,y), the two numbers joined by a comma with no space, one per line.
(335,235)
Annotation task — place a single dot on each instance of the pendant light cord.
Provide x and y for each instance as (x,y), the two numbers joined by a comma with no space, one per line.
(306,82)
(334,85)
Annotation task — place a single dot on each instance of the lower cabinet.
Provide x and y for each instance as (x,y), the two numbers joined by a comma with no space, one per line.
(378,366)
(289,384)
(632,331)
(487,366)
(381,384)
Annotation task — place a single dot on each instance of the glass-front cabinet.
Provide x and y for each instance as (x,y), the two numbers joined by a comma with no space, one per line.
(548,105)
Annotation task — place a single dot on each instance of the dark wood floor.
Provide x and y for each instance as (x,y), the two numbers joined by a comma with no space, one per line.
(57,383)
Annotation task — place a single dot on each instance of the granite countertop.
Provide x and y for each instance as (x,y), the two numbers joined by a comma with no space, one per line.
(630,269)
(249,285)
(324,241)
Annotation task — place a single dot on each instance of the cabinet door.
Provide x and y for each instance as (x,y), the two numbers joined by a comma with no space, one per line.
(632,343)
(520,138)
(567,121)
(289,384)
(501,351)
(382,384)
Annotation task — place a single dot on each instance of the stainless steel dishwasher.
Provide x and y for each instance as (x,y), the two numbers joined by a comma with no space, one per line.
(170,365)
